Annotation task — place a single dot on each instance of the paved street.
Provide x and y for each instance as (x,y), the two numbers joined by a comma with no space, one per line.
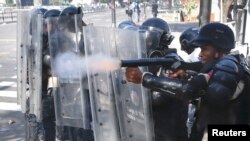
(11,119)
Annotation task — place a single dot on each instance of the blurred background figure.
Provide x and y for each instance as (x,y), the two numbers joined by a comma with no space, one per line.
(129,10)
(137,10)
(48,110)
(154,9)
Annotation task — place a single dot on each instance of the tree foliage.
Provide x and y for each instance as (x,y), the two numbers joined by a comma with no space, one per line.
(188,6)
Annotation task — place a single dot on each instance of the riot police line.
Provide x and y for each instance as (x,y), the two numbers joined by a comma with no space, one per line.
(63,97)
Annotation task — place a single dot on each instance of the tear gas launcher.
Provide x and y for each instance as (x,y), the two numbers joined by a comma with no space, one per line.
(169,62)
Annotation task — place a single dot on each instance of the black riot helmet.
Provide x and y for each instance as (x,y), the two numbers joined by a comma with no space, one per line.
(47,16)
(51,13)
(125,23)
(69,16)
(39,10)
(50,22)
(187,37)
(34,13)
(162,27)
(71,10)
(219,35)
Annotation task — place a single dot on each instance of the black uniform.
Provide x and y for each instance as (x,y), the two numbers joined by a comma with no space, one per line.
(169,113)
(154,9)
(221,84)
(48,109)
(220,102)
(66,45)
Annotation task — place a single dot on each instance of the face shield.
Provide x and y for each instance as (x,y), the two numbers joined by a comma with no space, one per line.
(153,37)
(154,50)
(71,22)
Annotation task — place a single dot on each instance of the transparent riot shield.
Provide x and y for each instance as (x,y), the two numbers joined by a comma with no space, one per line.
(102,96)
(35,65)
(23,43)
(121,110)
(133,100)
(65,43)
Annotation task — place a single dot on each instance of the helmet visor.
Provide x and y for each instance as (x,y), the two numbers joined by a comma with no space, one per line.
(153,36)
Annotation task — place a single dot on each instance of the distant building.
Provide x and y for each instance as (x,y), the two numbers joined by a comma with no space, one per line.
(76,2)
(26,2)
(2,2)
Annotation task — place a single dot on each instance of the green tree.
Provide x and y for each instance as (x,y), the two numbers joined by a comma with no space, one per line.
(189,6)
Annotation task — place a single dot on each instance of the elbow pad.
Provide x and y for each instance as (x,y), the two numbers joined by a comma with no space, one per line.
(46,60)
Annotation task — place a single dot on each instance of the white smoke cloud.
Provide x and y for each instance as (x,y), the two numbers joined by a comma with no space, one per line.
(71,65)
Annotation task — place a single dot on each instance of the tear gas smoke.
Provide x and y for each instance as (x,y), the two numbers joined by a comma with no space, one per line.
(71,65)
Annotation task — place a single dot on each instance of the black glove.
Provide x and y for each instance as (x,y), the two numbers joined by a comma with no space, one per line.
(195,86)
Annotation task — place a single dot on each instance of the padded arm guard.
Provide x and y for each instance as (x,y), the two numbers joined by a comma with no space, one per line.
(220,85)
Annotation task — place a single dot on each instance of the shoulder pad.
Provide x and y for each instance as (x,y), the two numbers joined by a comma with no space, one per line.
(228,64)
(244,63)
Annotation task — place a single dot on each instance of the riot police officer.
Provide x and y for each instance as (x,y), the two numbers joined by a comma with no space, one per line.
(158,36)
(219,84)
(34,126)
(186,39)
(47,99)
(70,41)
(168,112)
